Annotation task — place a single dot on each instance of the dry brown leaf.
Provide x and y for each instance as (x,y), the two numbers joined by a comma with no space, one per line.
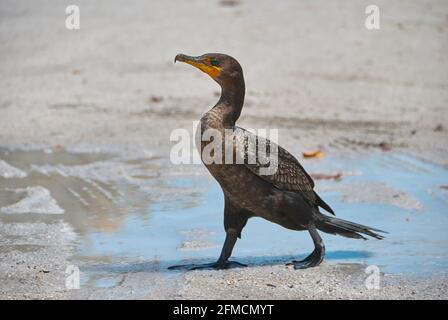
(314,154)
(323,176)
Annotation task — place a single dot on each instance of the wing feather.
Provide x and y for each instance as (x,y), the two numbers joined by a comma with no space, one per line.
(289,176)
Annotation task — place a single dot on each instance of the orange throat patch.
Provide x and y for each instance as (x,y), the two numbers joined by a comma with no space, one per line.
(212,71)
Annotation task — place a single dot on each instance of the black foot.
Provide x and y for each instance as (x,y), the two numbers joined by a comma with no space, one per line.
(313,260)
(214,266)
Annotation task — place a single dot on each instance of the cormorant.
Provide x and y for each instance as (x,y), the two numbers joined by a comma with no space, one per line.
(285,197)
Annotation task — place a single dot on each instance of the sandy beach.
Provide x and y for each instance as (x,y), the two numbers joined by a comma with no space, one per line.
(85,123)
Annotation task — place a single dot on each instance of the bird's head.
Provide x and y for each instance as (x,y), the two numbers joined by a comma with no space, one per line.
(220,67)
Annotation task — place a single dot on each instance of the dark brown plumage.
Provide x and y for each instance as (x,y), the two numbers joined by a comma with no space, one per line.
(285,197)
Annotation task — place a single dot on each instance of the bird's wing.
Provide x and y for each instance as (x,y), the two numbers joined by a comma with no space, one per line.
(289,174)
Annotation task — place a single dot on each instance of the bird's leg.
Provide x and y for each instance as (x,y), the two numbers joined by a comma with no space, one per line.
(222,262)
(316,257)
(235,218)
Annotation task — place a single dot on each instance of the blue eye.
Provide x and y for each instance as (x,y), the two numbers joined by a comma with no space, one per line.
(214,62)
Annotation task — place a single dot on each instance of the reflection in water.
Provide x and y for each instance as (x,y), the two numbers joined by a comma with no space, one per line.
(138,213)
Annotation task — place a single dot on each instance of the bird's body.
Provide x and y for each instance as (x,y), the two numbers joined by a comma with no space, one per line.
(247,190)
(285,197)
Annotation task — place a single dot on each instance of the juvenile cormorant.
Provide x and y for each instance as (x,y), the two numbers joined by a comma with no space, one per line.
(285,197)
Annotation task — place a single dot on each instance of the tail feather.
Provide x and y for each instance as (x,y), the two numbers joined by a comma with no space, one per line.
(321,203)
(346,228)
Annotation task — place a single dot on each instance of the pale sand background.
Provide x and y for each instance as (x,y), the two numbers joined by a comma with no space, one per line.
(311,69)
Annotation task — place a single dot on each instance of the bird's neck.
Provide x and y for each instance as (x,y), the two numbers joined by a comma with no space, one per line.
(231,102)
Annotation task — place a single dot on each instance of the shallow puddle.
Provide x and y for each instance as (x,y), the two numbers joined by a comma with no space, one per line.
(138,214)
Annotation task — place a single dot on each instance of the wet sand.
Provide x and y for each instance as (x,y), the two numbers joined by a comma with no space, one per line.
(111,89)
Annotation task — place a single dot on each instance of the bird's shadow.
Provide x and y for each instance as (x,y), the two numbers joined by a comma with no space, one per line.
(162,266)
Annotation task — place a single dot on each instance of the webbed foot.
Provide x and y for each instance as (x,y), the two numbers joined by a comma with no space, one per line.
(218,265)
(313,260)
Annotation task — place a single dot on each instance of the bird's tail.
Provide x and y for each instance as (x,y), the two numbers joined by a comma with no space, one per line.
(346,228)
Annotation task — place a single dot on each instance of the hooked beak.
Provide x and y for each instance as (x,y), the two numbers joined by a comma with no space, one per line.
(198,62)
(184,58)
